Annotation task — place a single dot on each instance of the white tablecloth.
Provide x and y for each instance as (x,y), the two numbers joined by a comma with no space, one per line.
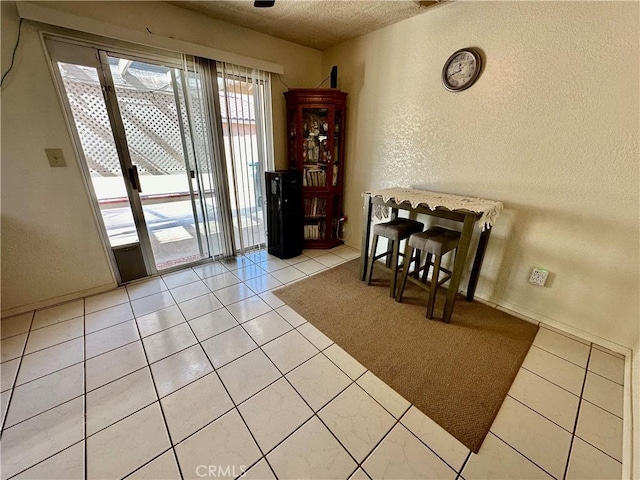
(489,209)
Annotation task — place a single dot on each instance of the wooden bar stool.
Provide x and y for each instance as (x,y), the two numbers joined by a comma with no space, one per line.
(435,242)
(395,231)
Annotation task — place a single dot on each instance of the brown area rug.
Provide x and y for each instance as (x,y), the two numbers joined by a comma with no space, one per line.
(458,374)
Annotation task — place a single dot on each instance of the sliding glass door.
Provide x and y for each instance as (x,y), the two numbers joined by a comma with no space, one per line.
(130,120)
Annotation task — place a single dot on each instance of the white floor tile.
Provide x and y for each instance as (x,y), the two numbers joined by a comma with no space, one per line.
(562,346)
(318,380)
(177,279)
(589,463)
(288,274)
(212,323)
(226,444)
(604,393)
(357,420)
(359,475)
(132,441)
(4,403)
(234,263)
(199,306)
(228,346)
(221,281)
(108,317)
(266,327)
(114,401)
(260,471)
(15,325)
(234,293)
(66,465)
(160,320)
(329,259)
(105,300)
(606,350)
(274,413)
(346,253)
(555,369)
(291,316)
(247,375)
(271,299)
(102,341)
(210,270)
(289,351)
(395,403)
(315,252)
(311,452)
(187,292)
(8,373)
(44,362)
(162,468)
(59,313)
(55,334)
(178,370)
(538,439)
(245,310)
(498,460)
(152,303)
(114,364)
(309,267)
(296,260)
(344,361)
(35,397)
(315,336)
(12,347)
(146,288)
(273,265)
(549,400)
(601,429)
(195,405)
(607,366)
(169,341)
(437,438)
(263,283)
(32,441)
(401,455)
(250,271)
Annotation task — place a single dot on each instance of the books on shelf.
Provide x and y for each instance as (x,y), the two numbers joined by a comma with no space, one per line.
(315,207)
(314,178)
(314,232)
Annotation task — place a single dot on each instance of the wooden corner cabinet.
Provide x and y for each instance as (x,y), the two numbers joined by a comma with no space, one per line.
(315,126)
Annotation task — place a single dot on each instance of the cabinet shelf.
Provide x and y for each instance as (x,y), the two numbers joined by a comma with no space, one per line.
(316,126)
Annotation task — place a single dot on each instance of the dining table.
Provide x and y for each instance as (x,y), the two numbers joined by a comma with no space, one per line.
(469,211)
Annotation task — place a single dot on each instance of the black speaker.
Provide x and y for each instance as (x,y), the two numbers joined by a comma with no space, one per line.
(284,213)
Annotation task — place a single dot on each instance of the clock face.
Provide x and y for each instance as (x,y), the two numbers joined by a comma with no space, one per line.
(461,70)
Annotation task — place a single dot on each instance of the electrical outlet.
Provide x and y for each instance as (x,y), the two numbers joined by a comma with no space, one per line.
(56,157)
(538,276)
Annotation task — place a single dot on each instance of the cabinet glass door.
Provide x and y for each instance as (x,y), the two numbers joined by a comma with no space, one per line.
(316,146)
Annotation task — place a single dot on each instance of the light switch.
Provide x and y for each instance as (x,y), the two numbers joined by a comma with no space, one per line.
(56,157)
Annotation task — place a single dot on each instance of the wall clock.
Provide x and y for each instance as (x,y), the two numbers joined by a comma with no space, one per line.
(461,70)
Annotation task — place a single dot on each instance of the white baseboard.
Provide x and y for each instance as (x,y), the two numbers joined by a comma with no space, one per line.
(56,300)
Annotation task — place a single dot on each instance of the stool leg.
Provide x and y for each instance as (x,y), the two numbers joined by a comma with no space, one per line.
(434,286)
(416,264)
(390,245)
(427,265)
(408,252)
(395,258)
(374,247)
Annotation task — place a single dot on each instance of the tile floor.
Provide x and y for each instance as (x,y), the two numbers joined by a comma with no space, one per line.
(204,373)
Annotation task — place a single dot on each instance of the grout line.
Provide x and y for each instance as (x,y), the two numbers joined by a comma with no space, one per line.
(553,383)
(602,408)
(537,412)
(464,464)
(606,378)
(15,379)
(84,384)
(164,418)
(47,458)
(519,453)
(575,423)
(556,355)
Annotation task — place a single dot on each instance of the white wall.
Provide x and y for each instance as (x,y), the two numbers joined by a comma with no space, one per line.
(50,242)
(550,129)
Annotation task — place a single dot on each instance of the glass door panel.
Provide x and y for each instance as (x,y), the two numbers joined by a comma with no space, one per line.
(147,97)
(84,95)
(315,149)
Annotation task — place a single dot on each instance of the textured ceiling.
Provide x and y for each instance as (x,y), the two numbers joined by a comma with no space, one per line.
(315,23)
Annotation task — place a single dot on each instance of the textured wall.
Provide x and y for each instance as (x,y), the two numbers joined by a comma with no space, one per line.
(50,241)
(550,129)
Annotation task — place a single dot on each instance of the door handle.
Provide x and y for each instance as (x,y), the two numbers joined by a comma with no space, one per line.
(134,178)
